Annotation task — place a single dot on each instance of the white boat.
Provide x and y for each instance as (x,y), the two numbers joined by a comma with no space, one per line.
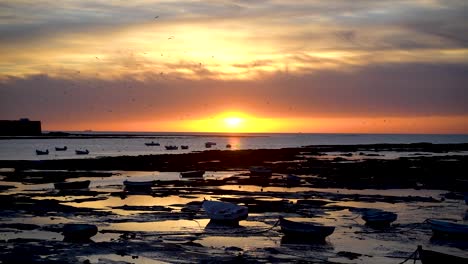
(138,185)
(82,152)
(42,152)
(192,174)
(79,232)
(305,230)
(260,171)
(448,228)
(224,211)
(378,218)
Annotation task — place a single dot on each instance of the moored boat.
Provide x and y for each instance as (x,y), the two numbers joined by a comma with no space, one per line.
(152,143)
(72,185)
(228,146)
(465,196)
(64,148)
(192,174)
(138,185)
(293,180)
(184,147)
(442,228)
(378,218)
(224,212)
(171,147)
(210,144)
(79,232)
(260,171)
(42,152)
(82,152)
(305,230)
(434,257)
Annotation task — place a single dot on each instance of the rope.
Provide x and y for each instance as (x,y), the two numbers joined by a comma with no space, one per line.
(414,256)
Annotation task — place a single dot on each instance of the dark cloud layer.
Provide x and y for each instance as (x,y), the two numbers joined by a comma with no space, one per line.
(385,90)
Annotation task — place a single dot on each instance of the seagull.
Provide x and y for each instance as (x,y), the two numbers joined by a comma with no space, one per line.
(156,17)
(171,37)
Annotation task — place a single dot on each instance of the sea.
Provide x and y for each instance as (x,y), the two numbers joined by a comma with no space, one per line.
(102,144)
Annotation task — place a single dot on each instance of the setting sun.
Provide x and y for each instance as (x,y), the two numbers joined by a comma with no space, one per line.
(233,121)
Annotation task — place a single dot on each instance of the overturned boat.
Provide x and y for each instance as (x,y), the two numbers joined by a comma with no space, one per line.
(192,174)
(434,257)
(442,228)
(224,212)
(305,230)
(72,185)
(79,232)
(378,218)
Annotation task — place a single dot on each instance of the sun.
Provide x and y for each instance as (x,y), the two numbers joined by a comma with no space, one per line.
(233,122)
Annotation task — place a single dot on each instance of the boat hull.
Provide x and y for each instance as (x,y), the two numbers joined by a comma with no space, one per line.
(379,218)
(442,228)
(72,185)
(138,186)
(79,232)
(225,213)
(192,174)
(306,231)
(433,257)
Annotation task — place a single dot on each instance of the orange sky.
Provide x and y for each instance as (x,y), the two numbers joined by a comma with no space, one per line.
(274,66)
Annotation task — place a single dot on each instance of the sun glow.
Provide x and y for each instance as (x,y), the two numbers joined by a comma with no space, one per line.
(233,121)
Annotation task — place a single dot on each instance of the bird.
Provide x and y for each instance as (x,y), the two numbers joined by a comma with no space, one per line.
(171,37)
(156,17)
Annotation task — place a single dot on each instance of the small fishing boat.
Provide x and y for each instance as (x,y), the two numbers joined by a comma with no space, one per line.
(184,147)
(260,171)
(305,230)
(228,146)
(82,152)
(138,185)
(224,212)
(378,218)
(171,147)
(64,148)
(42,152)
(444,228)
(210,144)
(434,257)
(72,185)
(152,143)
(192,174)
(79,232)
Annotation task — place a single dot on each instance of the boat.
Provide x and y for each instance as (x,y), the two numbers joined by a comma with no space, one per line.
(260,171)
(224,212)
(152,143)
(79,232)
(442,228)
(293,180)
(378,218)
(64,148)
(72,185)
(434,257)
(305,230)
(138,185)
(42,152)
(228,146)
(184,147)
(192,174)
(465,196)
(171,147)
(82,152)
(209,144)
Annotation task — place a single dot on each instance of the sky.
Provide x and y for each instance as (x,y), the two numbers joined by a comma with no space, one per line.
(315,66)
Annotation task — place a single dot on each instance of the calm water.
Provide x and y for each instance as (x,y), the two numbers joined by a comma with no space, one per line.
(24,149)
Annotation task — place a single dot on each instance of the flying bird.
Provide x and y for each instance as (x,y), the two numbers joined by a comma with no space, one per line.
(171,37)
(156,17)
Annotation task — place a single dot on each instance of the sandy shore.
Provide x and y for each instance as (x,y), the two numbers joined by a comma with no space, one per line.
(167,223)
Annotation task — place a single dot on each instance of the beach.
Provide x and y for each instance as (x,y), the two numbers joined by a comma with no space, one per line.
(167,224)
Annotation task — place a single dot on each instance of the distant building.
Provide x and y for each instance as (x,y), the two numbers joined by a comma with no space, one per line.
(22,127)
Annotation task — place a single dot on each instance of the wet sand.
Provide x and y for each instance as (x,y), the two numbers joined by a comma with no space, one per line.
(168,225)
